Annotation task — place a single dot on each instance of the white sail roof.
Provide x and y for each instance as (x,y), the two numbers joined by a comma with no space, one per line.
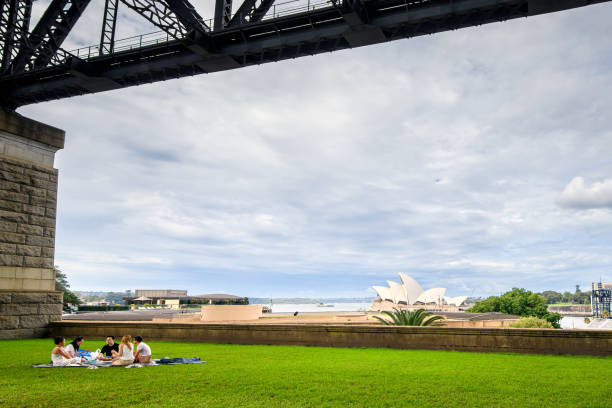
(455,301)
(433,295)
(412,288)
(398,292)
(383,292)
(410,292)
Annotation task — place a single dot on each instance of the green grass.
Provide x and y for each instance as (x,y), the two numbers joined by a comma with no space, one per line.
(283,376)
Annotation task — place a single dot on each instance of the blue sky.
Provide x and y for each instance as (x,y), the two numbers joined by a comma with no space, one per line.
(477,160)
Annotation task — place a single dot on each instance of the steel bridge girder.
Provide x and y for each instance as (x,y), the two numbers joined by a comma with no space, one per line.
(273,39)
(14,27)
(45,40)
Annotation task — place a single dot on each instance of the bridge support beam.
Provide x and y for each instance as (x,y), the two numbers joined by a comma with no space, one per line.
(28,197)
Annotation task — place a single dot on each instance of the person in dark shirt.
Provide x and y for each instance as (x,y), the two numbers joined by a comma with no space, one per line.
(108,349)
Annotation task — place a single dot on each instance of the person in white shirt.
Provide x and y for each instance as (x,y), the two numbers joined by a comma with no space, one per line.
(73,347)
(60,357)
(143,351)
(126,354)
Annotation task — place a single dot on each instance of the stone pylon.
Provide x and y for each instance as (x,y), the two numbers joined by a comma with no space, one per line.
(28,200)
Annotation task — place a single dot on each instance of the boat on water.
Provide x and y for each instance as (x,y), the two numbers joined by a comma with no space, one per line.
(325,305)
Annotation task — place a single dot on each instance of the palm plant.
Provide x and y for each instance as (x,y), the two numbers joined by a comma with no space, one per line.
(408,318)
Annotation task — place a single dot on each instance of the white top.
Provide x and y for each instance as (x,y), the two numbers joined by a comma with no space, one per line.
(57,358)
(70,349)
(143,349)
(127,353)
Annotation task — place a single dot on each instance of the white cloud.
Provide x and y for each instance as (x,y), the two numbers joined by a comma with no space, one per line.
(439,156)
(578,195)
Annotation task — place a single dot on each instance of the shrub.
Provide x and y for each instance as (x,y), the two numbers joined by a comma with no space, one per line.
(532,322)
(408,318)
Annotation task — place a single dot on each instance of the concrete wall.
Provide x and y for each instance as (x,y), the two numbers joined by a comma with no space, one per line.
(28,197)
(224,313)
(542,341)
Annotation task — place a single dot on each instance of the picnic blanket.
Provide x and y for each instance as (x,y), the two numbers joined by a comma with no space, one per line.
(179,360)
(93,364)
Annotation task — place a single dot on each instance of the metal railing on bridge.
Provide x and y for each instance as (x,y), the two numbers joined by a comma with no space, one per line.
(34,67)
(283,9)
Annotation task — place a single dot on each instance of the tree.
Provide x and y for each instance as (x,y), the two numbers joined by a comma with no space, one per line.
(532,322)
(408,318)
(581,298)
(490,304)
(62,285)
(567,297)
(116,298)
(578,297)
(551,296)
(519,302)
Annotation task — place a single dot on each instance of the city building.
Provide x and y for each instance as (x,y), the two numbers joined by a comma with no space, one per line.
(160,293)
(601,299)
(173,298)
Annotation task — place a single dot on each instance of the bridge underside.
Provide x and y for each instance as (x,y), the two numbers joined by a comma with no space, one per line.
(339,26)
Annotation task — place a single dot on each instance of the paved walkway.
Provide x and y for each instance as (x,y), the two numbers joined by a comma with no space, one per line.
(128,315)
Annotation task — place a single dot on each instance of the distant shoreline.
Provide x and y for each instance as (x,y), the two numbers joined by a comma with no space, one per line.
(307,301)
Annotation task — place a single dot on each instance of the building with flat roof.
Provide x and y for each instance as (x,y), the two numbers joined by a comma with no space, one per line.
(176,297)
(165,293)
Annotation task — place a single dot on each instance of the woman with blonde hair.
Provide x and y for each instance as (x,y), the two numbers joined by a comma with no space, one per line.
(126,353)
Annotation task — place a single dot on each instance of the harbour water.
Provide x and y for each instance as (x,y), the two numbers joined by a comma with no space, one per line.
(313,307)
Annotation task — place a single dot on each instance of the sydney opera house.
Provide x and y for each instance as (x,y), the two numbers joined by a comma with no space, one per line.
(410,293)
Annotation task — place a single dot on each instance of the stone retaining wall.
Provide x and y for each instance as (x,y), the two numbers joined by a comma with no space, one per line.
(28,199)
(224,313)
(27,313)
(540,341)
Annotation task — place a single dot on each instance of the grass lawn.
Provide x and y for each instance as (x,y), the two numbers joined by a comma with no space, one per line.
(284,376)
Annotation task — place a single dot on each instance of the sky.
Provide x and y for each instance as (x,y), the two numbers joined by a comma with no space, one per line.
(478,160)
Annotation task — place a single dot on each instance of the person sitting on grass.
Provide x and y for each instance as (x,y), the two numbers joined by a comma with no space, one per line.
(143,351)
(109,350)
(73,347)
(60,357)
(125,354)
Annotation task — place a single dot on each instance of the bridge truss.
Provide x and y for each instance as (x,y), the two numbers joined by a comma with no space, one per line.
(34,67)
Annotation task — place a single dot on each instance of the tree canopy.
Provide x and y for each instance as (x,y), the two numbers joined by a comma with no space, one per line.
(579,297)
(518,302)
(62,285)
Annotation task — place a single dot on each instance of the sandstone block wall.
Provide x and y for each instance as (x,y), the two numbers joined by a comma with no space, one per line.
(539,341)
(212,313)
(28,313)
(28,201)
(28,197)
